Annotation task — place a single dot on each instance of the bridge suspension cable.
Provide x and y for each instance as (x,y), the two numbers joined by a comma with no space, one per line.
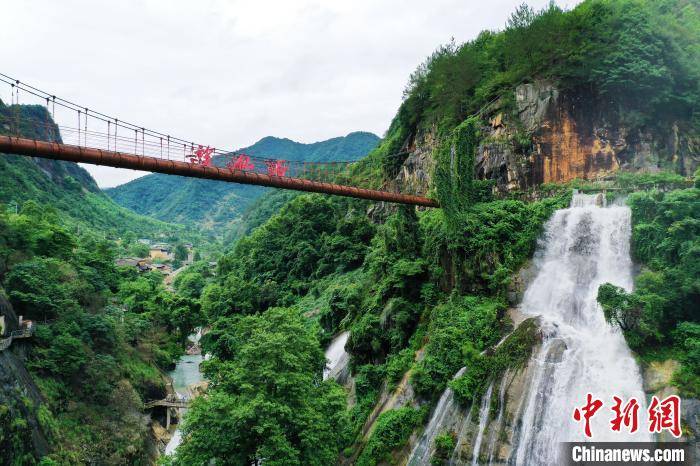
(97,138)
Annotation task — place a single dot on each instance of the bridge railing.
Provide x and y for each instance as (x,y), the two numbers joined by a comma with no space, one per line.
(65,122)
(14,335)
(5,343)
(79,134)
(23,333)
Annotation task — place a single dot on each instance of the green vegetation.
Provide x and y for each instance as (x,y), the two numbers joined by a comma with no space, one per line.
(479,248)
(108,335)
(266,399)
(459,330)
(305,267)
(193,279)
(662,312)
(66,187)
(391,432)
(312,237)
(481,370)
(454,171)
(444,446)
(321,257)
(650,66)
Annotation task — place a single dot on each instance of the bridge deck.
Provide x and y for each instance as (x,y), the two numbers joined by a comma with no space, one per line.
(15,335)
(167,403)
(72,153)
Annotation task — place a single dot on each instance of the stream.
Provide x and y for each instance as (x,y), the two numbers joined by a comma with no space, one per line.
(186,373)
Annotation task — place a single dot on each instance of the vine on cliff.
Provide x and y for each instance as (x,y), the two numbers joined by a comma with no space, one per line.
(454,168)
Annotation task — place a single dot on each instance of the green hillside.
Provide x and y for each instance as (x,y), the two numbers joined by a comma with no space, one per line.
(425,293)
(214,203)
(74,392)
(65,186)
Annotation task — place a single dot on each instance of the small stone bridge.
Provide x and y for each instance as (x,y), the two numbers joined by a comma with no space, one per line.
(170,401)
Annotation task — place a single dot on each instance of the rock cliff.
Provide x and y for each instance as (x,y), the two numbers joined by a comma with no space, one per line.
(541,134)
(20,400)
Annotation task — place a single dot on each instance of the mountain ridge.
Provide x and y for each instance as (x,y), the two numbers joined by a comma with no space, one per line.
(65,186)
(216,204)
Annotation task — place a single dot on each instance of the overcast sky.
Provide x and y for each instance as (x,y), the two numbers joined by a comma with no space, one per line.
(227,73)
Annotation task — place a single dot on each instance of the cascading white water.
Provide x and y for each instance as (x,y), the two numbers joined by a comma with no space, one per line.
(483,419)
(499,419)
(444,416)
(336,356)
(583,247)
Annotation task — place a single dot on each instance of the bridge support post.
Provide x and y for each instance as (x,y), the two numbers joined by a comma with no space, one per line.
(167,418)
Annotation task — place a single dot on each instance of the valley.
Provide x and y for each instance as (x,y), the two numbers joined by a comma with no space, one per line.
(560,267)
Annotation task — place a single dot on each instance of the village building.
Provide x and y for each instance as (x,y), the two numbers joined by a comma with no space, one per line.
(163,268)
(143,265)
(160,251)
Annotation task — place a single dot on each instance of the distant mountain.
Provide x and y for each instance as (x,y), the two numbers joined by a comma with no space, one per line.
(63,185)
(215,204)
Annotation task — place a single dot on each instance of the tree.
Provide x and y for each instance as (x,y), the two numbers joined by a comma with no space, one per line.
(189,284)
(42,287)
(619,307)
(266,399)
(138,250)
(181,252)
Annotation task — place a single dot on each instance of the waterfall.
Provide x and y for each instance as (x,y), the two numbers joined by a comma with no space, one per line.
(583,247)
(483,419)
(445,409)
(493,439)
(337,358)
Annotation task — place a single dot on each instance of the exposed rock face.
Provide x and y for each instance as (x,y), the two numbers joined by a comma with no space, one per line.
(574,136)
(19,399)
(414,175)
(658,380)
(557,136)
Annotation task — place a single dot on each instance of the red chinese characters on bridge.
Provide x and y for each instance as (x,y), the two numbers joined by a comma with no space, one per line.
(240,162)
(277,167)
(244,163)
(202,156)
(663,414)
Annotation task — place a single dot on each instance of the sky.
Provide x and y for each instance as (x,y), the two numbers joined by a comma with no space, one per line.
(227,73)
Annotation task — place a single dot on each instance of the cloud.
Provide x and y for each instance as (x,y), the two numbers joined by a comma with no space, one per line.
(228,73)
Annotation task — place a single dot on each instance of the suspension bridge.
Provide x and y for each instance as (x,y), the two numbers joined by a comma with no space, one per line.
(88,136)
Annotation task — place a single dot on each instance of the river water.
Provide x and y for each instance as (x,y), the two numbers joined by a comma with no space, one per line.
(186,373)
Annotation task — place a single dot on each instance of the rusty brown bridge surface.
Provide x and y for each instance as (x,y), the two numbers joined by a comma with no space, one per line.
(74,153)
(80,134)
